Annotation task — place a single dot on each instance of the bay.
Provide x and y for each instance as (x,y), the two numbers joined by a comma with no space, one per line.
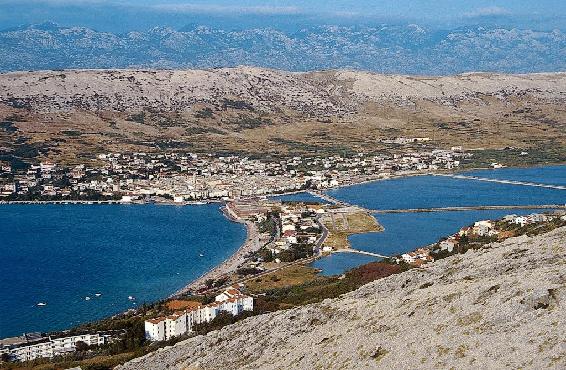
(407,231)
(62,254)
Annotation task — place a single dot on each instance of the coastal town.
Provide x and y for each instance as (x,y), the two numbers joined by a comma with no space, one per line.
(289,232)
(282,235)
(184,177)
(480,233)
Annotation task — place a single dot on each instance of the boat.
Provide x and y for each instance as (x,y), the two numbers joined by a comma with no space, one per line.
(98,294)
(131,298)
(87,298)
(42,304)
(201,255)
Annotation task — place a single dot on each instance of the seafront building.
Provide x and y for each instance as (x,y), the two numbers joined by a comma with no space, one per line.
(182,322)
(183,177)
(32,346)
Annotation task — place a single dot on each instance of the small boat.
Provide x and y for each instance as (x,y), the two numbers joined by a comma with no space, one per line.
(42,304)
(201,255)
(87,298)
(131,298)
(98,294)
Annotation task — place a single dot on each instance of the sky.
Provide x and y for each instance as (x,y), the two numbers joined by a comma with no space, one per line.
(129,15)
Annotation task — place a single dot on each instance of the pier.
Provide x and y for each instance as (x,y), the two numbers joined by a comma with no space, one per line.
(510,182)
(470,208)
(357,251)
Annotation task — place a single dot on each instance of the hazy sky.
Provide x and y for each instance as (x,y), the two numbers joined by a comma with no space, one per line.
(125,15)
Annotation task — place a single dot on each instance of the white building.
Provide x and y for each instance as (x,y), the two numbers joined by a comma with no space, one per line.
(31,347)
(182,322)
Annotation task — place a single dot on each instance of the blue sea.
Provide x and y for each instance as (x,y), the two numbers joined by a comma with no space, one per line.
(61,254)
(550,175)
(434,191)
(408,231)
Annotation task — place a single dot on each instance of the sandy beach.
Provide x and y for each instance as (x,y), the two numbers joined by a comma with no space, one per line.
(233,262)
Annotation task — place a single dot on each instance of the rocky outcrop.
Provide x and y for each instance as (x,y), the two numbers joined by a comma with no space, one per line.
(313,94)
(499,307)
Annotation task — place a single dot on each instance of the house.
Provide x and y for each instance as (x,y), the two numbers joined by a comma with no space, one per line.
(448,244)
(484,228)
(155,329)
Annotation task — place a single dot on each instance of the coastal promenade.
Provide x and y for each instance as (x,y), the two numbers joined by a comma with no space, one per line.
(62,202)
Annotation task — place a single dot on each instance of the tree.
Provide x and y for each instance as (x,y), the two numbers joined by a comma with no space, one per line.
(81,346)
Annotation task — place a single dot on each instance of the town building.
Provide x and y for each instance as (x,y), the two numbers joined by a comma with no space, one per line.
(32,346)
(182,322)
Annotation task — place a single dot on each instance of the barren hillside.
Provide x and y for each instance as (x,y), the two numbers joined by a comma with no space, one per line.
(499,307)
(68,114)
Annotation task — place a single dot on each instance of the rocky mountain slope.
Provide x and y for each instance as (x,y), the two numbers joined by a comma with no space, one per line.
(387,49)
(499,307)
(65,114)
(317,93)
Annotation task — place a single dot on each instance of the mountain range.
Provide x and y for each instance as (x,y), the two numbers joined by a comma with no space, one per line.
(407,49)
(66,115)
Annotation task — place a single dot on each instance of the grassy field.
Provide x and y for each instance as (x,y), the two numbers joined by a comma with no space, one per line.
(342,225)
(293,275)
(72,137)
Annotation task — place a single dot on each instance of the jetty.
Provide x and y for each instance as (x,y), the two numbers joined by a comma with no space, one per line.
(469,208)
(357,251)
(500,181)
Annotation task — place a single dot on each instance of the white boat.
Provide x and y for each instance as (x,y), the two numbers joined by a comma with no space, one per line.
(131,298)
(98,294)
(201,255)
(42,304)
(87,298)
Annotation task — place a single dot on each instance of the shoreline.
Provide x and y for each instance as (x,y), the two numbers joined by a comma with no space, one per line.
(231,264)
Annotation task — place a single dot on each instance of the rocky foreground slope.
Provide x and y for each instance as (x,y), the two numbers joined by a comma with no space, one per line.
(500,307)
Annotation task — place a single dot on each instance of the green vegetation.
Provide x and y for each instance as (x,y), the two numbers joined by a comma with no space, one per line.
(72,133)
(530,229)
(8,126)
(323,287)
(237,104)
(204,113)
(202,130)
(137,117)
(244,122)
(516,157)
